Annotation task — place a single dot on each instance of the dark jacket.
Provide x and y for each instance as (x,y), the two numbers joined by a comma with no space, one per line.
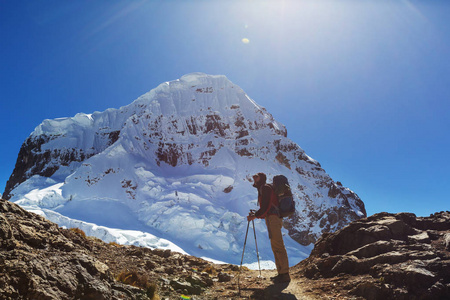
(264,201)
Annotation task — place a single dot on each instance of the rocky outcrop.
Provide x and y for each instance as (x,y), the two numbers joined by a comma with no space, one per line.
(385,256)
(39,260)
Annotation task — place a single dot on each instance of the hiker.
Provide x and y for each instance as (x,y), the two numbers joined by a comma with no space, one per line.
(266,211)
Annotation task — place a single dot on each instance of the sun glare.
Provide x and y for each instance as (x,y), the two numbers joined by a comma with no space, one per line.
(245,40)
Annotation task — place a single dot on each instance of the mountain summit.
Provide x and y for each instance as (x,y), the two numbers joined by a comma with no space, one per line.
(177,163)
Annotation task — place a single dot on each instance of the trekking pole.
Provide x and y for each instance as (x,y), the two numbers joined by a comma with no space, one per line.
(242,259)
(256,244)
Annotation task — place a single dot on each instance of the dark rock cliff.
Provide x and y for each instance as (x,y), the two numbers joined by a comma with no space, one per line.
(33,160)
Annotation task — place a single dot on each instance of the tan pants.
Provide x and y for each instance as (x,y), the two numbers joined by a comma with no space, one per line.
(274,224)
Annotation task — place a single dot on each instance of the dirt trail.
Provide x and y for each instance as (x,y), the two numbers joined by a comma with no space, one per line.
(252,286)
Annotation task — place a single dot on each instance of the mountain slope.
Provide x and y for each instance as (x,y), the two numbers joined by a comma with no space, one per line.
(177,163)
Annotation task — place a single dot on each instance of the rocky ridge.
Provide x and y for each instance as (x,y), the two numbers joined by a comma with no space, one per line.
(39,260)
(385,256)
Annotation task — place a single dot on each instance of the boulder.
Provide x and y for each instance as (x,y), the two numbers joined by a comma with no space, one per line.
(391,256)
(447,241)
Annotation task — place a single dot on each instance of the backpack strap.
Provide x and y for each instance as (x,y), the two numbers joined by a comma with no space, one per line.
(276,208)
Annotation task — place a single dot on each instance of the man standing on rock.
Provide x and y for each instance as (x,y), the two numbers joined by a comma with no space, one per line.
(274,223)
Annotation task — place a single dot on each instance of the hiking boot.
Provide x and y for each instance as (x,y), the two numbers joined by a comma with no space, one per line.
(280,278)
(274,277)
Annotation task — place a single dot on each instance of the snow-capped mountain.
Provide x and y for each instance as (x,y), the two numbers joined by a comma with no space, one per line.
(177,164)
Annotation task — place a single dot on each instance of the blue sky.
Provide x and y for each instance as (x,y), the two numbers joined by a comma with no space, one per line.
(362,86)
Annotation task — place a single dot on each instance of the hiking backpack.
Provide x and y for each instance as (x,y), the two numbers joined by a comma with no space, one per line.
(286,203)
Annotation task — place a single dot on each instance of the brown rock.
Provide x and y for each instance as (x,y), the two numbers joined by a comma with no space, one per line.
(38,260)
(399,256)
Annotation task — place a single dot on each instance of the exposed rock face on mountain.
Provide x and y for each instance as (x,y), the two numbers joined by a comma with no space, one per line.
(386,256)
(32,160)
(177,162)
